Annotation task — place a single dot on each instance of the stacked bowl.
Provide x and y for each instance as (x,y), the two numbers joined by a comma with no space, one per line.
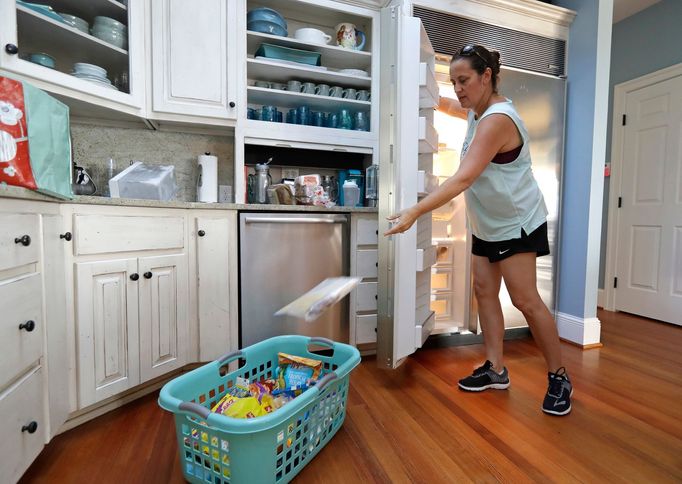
(266,21)
(110,31)
(92,73)
(76,22)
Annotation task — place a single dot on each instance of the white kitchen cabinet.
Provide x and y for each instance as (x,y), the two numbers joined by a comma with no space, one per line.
(163,314)
(24,31)
(193,59)
(107,328)
(216,283)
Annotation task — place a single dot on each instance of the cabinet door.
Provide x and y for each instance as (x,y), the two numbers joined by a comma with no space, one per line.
(164,317)
(216,278)
(107,329)
(190,57)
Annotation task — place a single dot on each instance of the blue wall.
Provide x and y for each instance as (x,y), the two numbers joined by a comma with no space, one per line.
(641,44)
(585,149)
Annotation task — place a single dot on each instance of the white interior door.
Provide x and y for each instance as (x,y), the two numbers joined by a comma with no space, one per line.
(408,140)
(649,241)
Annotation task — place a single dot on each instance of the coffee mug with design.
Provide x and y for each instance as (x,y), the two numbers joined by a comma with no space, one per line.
(294,86)
(322,90)
(336,91)
(308,88)
(347,36)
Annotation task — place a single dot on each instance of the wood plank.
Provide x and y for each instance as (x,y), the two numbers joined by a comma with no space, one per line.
(414,425)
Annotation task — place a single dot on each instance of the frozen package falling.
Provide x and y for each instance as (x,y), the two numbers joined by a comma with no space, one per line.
(313,303)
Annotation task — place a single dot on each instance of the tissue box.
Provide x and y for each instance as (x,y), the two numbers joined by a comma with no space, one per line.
(149,182)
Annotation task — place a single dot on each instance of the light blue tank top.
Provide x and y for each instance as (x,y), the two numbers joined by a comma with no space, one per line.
(505,198)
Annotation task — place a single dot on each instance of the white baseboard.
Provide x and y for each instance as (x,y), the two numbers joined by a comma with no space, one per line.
(601,298)
(581,331)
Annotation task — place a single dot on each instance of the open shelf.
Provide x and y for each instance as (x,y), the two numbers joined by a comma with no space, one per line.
(38,33)
(286,99)
(88,10)
(332,55)
(259,69)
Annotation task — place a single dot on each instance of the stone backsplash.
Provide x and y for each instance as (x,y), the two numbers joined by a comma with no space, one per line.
(94,145)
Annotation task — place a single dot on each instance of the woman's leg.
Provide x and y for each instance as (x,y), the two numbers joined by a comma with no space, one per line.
(518,272)
(487,279)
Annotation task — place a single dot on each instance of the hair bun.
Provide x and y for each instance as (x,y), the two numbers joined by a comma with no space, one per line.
(495,55)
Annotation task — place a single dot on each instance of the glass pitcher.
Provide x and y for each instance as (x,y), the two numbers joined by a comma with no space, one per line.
(259,182)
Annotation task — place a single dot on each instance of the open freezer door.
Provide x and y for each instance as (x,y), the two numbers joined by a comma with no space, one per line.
(409,94)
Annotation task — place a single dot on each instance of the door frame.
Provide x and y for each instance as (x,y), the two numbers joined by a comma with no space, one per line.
(620,94)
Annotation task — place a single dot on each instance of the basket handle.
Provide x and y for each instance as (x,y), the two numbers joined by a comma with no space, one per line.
(195,408)
(230,356)
(322,341)
(324,381)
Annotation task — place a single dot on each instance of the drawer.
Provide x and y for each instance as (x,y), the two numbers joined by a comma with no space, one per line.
(20,301)
(441,304)
(19,406)
(368,231)
(366,329)
(13,253)
(367,263)
(100,234)
(366,296)
(441,280)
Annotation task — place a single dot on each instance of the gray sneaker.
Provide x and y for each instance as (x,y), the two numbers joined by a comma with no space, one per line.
(485,377)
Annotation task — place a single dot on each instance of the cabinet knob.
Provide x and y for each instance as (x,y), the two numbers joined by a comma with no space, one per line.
(11,49)
(24,240)
(201,233)
(148,275)
(28,325)
(232,104)
(30,428)
(66,236)
(134,276)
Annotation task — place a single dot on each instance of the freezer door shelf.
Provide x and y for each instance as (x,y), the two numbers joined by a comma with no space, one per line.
(428,87)
(426,258)
(426,183)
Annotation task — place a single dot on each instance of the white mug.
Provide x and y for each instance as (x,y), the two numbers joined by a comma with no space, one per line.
(314,36)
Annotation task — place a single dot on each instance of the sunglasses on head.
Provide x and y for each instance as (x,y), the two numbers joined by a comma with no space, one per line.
(469,50)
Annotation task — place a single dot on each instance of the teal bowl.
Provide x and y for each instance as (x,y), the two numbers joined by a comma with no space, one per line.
(42,59)
(288,54)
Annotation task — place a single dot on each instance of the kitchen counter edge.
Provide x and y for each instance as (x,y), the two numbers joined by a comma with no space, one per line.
(7,191)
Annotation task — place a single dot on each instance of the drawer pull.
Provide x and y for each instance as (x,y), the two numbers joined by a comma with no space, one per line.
(24,240)
(135,276)
(66,236)
(148,275)
(28,326)
(30,428)
(201,233)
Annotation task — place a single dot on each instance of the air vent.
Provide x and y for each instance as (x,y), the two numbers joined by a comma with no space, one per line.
(448,33)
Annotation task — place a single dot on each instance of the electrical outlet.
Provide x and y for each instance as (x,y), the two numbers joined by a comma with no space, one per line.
(289,173)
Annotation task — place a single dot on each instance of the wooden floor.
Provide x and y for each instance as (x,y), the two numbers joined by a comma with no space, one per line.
(413,425)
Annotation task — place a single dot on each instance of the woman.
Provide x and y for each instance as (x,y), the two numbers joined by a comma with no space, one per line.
(507,217)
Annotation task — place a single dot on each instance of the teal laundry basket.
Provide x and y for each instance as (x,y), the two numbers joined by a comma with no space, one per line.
(269,449)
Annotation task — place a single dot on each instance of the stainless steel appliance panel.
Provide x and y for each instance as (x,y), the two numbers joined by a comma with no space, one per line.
(282,256)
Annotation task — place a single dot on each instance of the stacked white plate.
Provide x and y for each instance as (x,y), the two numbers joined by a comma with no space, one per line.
(92,73)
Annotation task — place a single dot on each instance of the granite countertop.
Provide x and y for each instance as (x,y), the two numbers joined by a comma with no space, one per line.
(25,194)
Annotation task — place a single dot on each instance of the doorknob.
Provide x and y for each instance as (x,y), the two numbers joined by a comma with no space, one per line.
(148,275)
(201,233)
(30,428)
(28,325)
(24,240)
(66,236)
(11,49)
(134,276)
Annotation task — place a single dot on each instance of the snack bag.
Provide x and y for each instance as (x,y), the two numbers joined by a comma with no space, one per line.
(15,164)
(296,371)
(313,303)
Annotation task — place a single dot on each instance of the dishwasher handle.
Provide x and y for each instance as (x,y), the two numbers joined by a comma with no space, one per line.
(296,220)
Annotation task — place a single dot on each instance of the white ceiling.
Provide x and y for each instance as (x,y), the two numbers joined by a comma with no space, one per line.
(624,8)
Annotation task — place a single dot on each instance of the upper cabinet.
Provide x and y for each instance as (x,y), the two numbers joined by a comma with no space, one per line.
(82,51)
(193,59)
(312,70)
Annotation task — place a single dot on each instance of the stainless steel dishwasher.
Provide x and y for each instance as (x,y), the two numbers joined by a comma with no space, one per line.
(282,256)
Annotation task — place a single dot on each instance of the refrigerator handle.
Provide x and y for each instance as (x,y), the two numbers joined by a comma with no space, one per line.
(295,220)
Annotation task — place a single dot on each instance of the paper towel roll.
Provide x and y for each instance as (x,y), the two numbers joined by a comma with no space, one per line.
(207,184)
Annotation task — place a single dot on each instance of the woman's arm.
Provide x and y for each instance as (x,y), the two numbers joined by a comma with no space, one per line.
(451,107)
(492,133)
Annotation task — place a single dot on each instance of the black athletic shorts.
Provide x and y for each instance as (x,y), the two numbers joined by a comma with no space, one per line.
(536,242)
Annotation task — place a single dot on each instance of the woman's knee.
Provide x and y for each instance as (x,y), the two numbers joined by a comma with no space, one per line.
(528,304)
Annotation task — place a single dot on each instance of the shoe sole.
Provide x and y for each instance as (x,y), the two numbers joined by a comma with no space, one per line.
(493,386)
(565,412)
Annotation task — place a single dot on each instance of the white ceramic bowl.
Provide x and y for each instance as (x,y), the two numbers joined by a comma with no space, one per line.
(313,36)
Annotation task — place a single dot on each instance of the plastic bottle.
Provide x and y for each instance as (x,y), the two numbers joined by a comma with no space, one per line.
(351,193)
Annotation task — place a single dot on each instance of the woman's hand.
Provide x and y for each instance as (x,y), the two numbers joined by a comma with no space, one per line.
(404,219)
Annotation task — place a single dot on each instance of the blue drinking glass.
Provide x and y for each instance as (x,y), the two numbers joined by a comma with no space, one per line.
(318,118)
(291,116)
(303,115)
(333,120)
(250,113)
(278,116)
(360,121)
(345,119)
(269,113)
